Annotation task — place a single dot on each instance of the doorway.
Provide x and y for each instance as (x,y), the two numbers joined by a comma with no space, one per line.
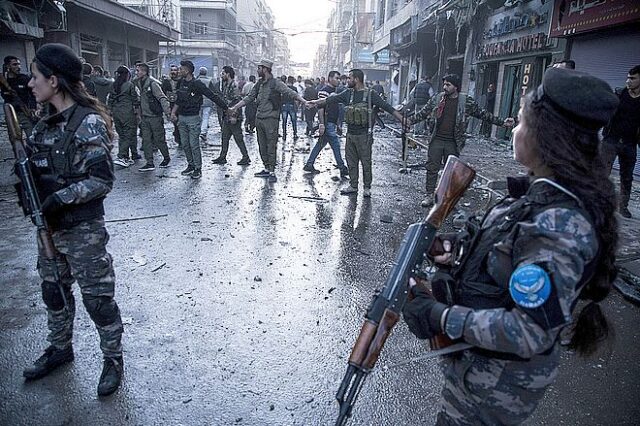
(510,99)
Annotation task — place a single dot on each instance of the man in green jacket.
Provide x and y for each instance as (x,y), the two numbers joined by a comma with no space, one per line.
(451,110)
(153,103)
(267,94)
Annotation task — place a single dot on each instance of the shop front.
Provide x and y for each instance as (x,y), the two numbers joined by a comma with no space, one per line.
(511,56)
(603,38)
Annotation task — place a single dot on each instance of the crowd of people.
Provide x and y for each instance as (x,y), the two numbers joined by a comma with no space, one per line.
(517,273)
(139,102)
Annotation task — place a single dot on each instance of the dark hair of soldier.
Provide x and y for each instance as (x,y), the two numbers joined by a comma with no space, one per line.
(78,93)
(123,76)
(576,165)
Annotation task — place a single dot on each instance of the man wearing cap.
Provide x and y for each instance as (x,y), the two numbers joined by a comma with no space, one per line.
(451,110)
(190,92)
(622,136)
(267,94)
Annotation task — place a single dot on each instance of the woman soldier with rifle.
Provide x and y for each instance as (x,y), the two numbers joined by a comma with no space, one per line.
(69,150)
(548,244)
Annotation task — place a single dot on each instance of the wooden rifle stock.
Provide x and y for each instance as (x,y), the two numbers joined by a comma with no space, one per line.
(456,178)
(384,311)
(31,194)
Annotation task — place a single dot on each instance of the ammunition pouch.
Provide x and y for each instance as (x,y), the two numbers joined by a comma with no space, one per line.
(359,114)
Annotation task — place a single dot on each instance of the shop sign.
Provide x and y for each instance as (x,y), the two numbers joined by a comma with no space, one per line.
(579,16)
(526,82)
(519,21)
(525,44)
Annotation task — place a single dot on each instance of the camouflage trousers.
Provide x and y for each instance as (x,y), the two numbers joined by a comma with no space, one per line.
(83,258)
(487,391)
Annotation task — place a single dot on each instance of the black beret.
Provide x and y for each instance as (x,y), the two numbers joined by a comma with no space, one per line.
(60,60)
(581,98)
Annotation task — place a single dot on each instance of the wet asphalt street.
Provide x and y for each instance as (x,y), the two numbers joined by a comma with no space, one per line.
(242,299)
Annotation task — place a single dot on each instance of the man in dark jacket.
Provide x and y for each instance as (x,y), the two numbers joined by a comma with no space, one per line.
(102,84)
(16,92)
(622,135)
(187,107)
(311,94)
(87,71)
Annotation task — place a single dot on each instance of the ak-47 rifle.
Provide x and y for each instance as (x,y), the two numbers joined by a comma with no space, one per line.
(385,309)
(30,199)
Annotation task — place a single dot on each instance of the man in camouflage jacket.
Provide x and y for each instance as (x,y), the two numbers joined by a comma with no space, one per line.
(231,123)
(451,111)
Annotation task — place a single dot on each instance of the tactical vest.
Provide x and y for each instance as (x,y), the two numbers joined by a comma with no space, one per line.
(54,165)
(474,286)
(421,94)
(359,114)
(187,95)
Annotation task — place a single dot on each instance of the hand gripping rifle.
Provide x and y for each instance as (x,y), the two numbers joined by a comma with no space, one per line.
(385,309)
(29,195)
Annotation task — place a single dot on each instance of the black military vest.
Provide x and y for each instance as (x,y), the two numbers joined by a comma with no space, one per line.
(54,162)
(475,287)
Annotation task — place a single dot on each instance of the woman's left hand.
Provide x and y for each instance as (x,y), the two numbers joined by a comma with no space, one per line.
(422,314)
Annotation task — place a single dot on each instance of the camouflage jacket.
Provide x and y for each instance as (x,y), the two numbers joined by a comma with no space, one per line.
(91,158)
(231,95)
(467,107)
(546,230)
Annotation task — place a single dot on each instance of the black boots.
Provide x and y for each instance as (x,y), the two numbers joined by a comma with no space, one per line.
(49,361)
(53,358)
(111,376)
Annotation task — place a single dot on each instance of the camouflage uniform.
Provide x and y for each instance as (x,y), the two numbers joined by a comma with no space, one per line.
(515,355)
(78,229)
(440,149)
(231,96)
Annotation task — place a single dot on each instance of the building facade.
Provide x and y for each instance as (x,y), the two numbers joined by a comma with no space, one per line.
(103,32)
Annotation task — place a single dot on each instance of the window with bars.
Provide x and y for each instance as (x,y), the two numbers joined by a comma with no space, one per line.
(200,28)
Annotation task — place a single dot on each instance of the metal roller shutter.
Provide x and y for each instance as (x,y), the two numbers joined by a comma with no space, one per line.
(609,55)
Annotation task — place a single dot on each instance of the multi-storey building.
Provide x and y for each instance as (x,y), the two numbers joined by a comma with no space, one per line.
(208,35)
(103,32)
(350,40)
(282,58)
(255,28)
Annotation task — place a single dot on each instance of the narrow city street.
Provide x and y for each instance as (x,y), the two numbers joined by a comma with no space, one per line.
(241,301)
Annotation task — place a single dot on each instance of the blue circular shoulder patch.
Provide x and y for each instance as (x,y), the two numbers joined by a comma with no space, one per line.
(530,286)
